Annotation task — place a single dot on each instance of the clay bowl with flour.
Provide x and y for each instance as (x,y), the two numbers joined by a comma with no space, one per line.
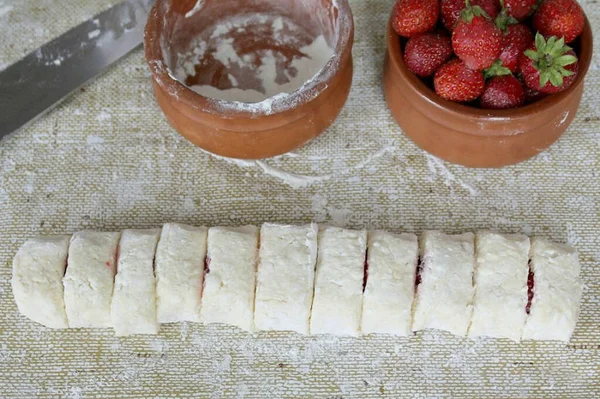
(244,79)
(477,137)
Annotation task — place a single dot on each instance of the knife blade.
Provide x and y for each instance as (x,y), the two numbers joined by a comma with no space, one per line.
(46,76)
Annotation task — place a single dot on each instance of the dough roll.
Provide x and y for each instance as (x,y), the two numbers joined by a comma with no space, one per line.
(304,279)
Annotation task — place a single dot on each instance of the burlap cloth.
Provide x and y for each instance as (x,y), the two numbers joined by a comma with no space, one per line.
(106,159)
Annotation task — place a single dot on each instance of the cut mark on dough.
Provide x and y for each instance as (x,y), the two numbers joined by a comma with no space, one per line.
(530,285)
(366,270)
(206,271)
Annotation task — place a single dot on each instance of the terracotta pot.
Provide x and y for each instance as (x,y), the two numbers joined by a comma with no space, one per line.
(250,131)
(476,137)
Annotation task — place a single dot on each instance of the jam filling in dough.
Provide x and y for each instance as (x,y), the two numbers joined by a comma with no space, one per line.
(500,285)
(444,299)
(38,270)
(179,269)
(229,283)
(133,308)
(337,304)
(285,279)
(89,280)
(392,264)
(557,292)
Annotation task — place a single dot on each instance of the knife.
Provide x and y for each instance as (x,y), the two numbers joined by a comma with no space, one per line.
(46,76)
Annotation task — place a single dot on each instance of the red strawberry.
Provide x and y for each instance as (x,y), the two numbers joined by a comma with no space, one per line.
(426,52)
(455,82)
(476,40)
(502,92)
(517,38)
(549,66)
(415,16)
(560,18)
(520,9)
(450,10)
(532,96)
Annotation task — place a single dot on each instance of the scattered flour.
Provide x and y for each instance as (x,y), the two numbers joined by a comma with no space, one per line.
(93,140)
(196,8)
(94,34)
(5,9)
(437,167)
(291,179)
(103,116)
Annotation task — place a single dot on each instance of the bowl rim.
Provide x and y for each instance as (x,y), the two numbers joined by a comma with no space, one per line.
(277,104)
(395,53)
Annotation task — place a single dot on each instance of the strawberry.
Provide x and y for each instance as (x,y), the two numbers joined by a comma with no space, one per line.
(502,92)
(476,40)
(425,53)
(455,82)
(519,9)
(532,96)
(549,66)
(450,10)
(560,18)
(517,38)
(415,16)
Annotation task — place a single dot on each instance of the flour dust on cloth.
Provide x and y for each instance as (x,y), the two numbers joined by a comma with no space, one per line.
(307,279)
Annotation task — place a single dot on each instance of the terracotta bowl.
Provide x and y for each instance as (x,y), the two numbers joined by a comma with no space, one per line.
(245,130)
(476,137)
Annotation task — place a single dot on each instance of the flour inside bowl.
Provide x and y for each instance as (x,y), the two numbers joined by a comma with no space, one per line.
(252,58)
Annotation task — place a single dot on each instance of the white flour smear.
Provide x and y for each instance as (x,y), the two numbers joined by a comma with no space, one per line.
(272,70)
(316,56)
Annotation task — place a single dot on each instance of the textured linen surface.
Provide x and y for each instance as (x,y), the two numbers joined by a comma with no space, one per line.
(106,159)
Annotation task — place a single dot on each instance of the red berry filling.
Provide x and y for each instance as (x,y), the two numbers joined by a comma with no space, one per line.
(366,271)
(530,284)
(418,274)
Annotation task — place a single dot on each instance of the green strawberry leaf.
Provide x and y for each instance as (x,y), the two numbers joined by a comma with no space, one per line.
(478,11)
(565,60)
(565,72)
(532,54)
(556,78)
(540,42)
(497,69)
(549,47)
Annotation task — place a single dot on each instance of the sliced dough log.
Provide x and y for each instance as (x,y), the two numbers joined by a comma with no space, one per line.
(500,285)
(556,292)
(229,284)
(388,297)
(179,263)
(337,303)
(38,270)
(133,307)
(284,287)
(444,299)
(89,279)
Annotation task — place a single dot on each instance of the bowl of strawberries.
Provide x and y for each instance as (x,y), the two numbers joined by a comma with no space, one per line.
(486,83)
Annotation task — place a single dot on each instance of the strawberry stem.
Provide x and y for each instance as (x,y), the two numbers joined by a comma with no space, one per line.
(550,57)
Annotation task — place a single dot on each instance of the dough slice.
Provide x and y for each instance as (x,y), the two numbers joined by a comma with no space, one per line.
(229,283)
(500,285)
(90,278)
(388,297)
(38,270)
(284,287)
(444,299)
(337,303)
(179,263)
(556,292)
(133,307)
